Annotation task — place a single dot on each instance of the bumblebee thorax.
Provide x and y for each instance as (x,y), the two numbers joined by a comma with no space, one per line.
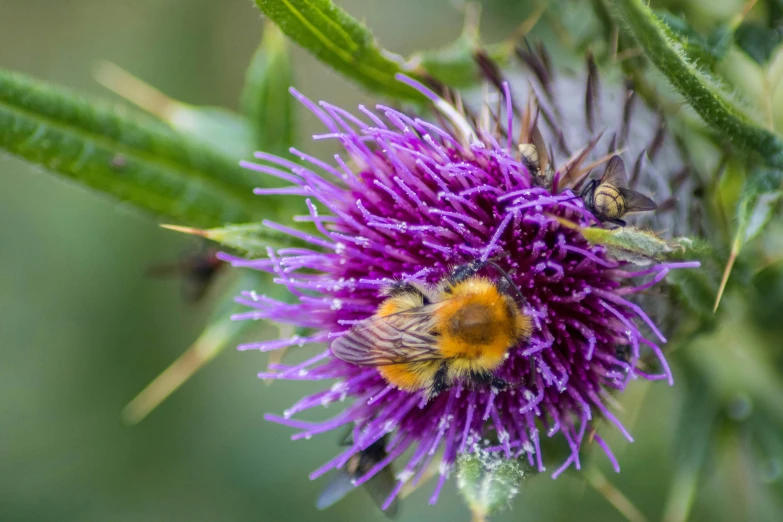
(473,323)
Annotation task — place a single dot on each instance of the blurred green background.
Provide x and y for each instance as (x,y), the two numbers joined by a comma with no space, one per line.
(84,329)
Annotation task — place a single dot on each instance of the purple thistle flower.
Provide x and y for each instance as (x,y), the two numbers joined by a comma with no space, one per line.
(408,199)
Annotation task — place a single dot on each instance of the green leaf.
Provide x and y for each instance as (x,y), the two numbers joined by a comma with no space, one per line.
(631,244)
(698,47)
(768,286)
(757,205)
(135,160)
(216,127)
(640,247)
(340,41)
(715,106)
(455,64)
(696,289)
(758,41)
(719,40)
(775,8)
(758,202)
(266,102)
(251,239)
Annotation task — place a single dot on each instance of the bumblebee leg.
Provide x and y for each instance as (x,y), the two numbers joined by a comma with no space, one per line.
(441,381)
(531,379)
(503,286)
(618,222)
(489,379)
(496,383)
(506,287)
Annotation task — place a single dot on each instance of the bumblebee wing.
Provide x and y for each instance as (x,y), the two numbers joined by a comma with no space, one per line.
(615,173)
(393,339)
(338,487)
(636,202)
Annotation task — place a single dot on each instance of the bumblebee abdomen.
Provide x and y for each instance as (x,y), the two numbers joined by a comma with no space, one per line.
(410,376)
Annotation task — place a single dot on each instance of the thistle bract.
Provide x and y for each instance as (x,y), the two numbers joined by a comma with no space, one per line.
(406,199)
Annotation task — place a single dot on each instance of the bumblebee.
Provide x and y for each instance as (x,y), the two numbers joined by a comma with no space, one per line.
(427,339)
(610,198)
(536,159)
(379,486)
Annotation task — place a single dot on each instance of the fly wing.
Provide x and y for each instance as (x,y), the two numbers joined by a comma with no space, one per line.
(403,337)
(338,487)
(380,487)
(383,482)
(615,173)
(543,156)
(636,202)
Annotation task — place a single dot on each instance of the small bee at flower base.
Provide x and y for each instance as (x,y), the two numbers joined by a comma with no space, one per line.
(623,352)
(609,198)
(536,158)
(428,339)
(379,486)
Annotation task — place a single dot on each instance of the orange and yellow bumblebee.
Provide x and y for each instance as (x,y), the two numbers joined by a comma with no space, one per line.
(422,338)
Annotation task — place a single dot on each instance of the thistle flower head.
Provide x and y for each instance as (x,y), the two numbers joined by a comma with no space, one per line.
(408,198)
